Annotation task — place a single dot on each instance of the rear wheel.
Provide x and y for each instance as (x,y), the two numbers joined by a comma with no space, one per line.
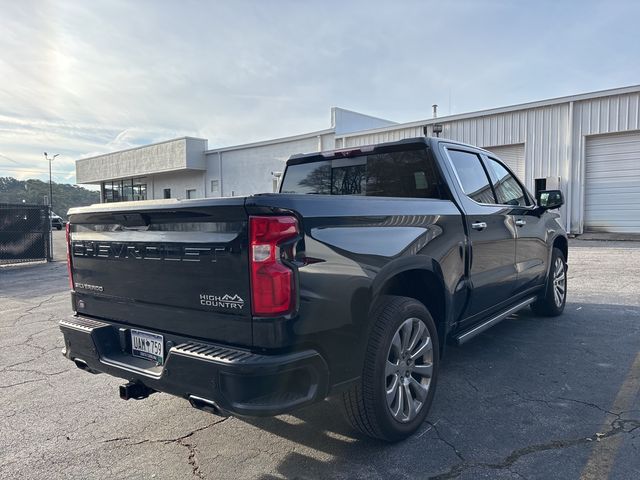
(552,301)
(394,395)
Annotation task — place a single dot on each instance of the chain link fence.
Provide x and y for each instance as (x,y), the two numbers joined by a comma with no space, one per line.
(25,233)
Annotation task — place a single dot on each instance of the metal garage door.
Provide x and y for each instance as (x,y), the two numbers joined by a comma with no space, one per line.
(612,178)
(513,156)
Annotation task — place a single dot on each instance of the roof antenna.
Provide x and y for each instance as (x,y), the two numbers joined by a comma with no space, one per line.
(435,110)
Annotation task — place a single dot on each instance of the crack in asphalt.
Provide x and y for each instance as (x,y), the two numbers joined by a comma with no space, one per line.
(30,310)
(617,426)
(22,383)
(27,341)
(447,442)
(193,461)
(38,372)
(589,404)
(549,403)
(22,362)
(166,440)
(471,384)
(190,446)
(518,474)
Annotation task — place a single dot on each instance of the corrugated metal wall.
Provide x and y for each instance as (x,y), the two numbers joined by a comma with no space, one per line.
(545,129)
(553,136)
(248,170)
(512,156)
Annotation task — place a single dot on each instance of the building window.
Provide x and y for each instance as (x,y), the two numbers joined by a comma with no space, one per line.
(140,192)
(215,185)
(124,190)
(107,192)
(191,193)
(167,193)
(127,190)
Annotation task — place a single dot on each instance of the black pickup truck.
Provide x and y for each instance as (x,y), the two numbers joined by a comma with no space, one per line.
(349,283)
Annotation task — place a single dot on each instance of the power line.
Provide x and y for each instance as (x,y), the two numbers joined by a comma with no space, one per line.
(32,170)
(10,159)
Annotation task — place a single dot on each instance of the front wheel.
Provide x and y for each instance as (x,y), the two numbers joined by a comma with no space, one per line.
(554,297)
(398,382)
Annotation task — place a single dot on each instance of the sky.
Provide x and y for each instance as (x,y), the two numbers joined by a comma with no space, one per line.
(81,78)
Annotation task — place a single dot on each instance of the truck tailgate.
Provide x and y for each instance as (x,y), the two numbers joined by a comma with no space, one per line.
(176,267)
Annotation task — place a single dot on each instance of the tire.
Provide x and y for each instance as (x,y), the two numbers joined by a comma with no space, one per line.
(400,325)
(554,297)
(59,227)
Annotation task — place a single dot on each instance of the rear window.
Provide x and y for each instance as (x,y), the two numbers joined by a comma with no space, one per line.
(409,173)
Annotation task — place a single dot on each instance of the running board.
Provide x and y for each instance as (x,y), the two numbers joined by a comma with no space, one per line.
(477,330)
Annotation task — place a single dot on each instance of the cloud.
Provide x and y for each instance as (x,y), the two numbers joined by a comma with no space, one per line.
(83,78)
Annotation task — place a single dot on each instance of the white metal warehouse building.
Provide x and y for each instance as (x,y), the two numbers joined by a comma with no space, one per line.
(590,143)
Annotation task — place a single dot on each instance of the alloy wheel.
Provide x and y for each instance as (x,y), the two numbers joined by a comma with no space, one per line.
(559,282)
(408,370)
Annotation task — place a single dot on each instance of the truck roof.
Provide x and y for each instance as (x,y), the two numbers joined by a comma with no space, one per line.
(415,142)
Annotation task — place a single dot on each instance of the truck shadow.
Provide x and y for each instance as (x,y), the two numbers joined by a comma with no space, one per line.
(332,449)
(524,382)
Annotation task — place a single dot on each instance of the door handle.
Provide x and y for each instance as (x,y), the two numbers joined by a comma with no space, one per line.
(479,225)
(520,222)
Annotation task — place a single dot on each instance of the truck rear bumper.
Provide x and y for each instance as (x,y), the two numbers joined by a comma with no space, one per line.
(232,380)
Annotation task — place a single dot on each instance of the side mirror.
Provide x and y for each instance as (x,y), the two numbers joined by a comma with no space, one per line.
(550,199)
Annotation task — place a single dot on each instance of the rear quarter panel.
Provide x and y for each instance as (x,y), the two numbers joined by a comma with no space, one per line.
(350,247)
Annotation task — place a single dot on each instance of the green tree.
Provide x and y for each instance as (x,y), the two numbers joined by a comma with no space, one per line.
(65,196)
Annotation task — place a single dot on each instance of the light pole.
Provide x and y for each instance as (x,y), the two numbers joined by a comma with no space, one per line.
(50,159)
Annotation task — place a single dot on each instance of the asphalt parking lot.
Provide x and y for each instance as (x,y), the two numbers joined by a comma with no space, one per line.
(59,245)
(531,398)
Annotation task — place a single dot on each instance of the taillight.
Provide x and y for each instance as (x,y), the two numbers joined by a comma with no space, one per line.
(69,269)
(272,282)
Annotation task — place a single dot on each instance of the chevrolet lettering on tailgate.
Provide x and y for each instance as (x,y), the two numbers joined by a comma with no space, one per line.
(136,251)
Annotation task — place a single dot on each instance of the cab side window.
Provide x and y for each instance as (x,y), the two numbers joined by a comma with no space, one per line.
(472,176)
(508,190)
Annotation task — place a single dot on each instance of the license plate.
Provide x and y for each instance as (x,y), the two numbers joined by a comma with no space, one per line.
(147,345)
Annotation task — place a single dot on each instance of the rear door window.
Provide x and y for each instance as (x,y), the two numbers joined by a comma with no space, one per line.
(410,173)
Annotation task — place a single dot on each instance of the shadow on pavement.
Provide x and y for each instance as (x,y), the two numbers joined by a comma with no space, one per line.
(528,389)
